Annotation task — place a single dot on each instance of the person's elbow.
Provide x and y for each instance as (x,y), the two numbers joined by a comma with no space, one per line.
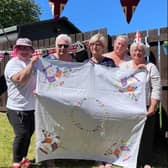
(18,79)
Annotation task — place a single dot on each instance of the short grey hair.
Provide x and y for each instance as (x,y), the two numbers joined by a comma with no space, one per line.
(65,37)
(134,45)
(98,37)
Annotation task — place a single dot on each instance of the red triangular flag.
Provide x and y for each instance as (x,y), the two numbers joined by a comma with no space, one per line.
(57,6)
(129,7)
(138,38)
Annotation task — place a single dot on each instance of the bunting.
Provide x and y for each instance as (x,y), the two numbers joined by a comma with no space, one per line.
(57,6)
(129,7)
(138,38)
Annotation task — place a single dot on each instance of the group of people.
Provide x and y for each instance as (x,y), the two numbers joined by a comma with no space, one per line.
(20,75)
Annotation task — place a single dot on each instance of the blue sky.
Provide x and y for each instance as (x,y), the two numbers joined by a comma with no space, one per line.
(90,15)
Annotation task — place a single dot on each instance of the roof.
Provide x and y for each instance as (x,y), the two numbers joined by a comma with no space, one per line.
(38,30)
(47,29)
(8,30)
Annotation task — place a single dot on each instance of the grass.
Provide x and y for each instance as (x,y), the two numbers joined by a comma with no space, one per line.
(160,159)
(6,141)
(6,138)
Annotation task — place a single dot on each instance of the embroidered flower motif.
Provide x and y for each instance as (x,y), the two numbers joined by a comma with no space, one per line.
(55,75)
(59,74)
(128,86)
(119,150)
(51,141)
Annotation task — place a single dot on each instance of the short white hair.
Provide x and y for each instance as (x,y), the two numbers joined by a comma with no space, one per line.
(134,45)
(65,37)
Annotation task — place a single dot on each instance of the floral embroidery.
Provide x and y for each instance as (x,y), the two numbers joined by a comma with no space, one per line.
(128,85)
(50,142)
(119,150)
(55,75)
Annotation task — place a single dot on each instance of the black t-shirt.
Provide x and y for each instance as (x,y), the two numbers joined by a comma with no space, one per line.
(105,61)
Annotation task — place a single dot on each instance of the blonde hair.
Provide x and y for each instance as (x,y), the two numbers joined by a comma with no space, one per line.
(125,37)
(65,37)
(98,37)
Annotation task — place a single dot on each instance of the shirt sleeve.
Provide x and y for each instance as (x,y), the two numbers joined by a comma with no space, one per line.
(12,68)
(155,82)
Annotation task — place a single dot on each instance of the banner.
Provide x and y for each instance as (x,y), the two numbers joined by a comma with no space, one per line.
(89,112)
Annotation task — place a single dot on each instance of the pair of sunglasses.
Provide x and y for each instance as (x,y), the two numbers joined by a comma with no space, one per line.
(63,45)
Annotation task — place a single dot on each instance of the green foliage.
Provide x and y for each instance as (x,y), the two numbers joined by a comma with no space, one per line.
(16,12)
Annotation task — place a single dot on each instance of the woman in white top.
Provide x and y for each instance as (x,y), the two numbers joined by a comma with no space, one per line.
(137,51)
(153,91)
(21,80)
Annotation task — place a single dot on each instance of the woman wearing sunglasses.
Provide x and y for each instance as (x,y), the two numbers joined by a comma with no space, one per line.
(62,44)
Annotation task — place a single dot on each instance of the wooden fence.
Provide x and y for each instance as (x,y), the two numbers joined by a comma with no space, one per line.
(156,37)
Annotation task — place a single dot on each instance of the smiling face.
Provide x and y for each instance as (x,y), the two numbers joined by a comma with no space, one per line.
(138,54)
(97,46)
(96,49)
(62,47)
(24,52)
(120,46)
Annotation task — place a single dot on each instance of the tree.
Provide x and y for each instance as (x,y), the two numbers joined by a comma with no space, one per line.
(16,12)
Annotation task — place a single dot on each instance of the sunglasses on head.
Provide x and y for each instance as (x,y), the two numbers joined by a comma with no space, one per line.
(63,45)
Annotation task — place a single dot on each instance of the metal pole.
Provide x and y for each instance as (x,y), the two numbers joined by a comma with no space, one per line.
(3,30)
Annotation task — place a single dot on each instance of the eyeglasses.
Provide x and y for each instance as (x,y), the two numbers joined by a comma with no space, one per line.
(62,45)
(96,44)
